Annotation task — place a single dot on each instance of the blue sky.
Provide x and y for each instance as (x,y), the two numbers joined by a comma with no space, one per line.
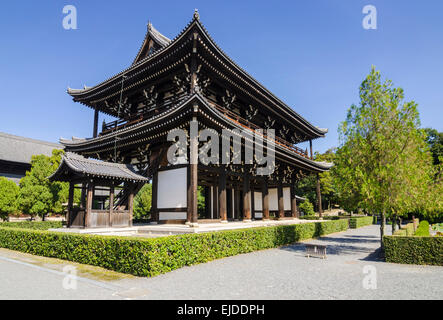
(312,54)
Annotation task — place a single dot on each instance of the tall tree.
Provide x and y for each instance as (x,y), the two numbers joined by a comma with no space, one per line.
(383,161)
(8,198)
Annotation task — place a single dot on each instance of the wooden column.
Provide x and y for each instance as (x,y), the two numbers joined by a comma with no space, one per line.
(320,210)
(70,204)
(215,202)
(95,130)
(83,196)
(131,203)
(246,198)
(222,195)
(310,147)
(192,210)
(154,209)
(265,199)
(237,195)
(252,204)
(89,199)
(111,203)
(294,211)
(281,208)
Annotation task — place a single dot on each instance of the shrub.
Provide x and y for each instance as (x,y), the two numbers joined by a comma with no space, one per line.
(357,222)
(153,256)
(307,208)
(8,197)
(414,250)
(423,229)
(34,225)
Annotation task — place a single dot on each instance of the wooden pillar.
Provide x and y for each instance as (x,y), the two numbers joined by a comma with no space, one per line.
(70,204)
(252,204)
(89,199)
(281,208)
(294,211)
(310,147)
(83,197)
(154,210)
(320,210)
(222,195)
(215,214)
(95,130)
(246,198)
(111,203)
(131,203)
(265,199)
(192,210)
(236,214)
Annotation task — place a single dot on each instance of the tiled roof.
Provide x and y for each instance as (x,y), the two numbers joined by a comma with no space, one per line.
(96,168)
(20,149)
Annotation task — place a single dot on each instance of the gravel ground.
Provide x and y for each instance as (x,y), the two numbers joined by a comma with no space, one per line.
(283,273)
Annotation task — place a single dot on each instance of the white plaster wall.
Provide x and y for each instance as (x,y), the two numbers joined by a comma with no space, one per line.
(257,201)
(172,187)
(287,198)
(172,216)
(273,199)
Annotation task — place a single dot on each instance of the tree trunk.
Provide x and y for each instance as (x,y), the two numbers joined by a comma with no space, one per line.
(394,221)
(382,229)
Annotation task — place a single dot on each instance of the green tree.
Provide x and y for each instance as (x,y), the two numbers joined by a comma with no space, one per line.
(39,196)
(435,142)
(384,163)
(307,208)
(8,198)
(142,202)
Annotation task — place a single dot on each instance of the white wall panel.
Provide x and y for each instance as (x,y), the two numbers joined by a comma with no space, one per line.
(273,199)
(287,198)
(172,216)
(172,188)
(257,201)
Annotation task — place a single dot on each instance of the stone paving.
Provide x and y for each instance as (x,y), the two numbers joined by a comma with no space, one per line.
(281,273)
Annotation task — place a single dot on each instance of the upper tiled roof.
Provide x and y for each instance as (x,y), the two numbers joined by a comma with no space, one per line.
(20,149)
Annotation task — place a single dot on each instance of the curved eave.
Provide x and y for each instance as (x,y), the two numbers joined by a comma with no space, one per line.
(82,93)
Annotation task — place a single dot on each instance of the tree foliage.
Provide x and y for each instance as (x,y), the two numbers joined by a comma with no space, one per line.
(383,163)
(8,197)
(39,196)
(143,202)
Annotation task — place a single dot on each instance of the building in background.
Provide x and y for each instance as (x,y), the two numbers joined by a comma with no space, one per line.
(16,153)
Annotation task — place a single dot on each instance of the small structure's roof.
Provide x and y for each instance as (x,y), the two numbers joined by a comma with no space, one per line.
(20,149)
(76,165)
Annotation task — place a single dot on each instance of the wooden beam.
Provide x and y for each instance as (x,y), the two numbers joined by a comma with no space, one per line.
(294,211)
(281,208)
(246,198)
(222,195)
(265,199)
(111,204)
(154,208)
(70,204)
(131,203)
(89,199)
(95,130)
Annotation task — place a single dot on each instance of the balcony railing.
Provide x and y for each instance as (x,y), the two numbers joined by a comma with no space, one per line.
(123,123)
(249,125)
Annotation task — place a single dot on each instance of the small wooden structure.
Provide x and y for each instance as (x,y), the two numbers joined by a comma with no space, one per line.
(91,175)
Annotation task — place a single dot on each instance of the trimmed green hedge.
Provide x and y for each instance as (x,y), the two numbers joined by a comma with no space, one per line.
(423,229)
(318,218)
(407,230)
(357,222)
(153,256)
(34,225)
(414,250)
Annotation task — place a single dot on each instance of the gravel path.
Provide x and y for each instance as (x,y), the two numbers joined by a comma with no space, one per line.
(283,273)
